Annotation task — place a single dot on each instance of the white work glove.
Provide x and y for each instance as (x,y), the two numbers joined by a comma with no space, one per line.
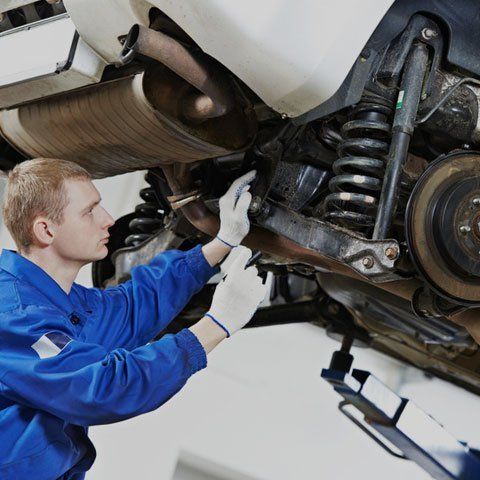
(239,294)
(234,222)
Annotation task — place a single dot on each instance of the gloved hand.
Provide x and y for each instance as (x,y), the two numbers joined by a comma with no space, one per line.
(238,295)
(234,222)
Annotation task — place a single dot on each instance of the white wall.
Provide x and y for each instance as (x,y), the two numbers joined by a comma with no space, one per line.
(260,410)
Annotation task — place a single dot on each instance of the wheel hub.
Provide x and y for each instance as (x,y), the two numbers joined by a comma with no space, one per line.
(443,227)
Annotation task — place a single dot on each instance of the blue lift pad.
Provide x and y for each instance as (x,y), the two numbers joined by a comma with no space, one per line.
(418,436)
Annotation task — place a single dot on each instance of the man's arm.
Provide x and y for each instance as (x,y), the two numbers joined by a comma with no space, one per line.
(84,384)
(215,251)
(208,333)
(133,313)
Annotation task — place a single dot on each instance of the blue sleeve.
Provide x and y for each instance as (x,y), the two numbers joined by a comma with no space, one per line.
(132,314)
(84,384)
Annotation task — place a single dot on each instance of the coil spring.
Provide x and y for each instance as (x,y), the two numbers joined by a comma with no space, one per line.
(149,218)
(359,169)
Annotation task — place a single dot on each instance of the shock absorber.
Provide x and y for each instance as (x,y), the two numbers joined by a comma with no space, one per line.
(402,131)
(149,217)
(359,169)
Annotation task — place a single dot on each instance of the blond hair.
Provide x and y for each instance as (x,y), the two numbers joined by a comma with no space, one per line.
(34,188)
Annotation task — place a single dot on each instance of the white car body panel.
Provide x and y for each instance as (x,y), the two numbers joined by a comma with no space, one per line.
(294,56)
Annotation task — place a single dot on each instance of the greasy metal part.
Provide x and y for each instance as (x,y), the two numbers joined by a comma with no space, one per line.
(451,110)
(216,100)
(403,126)
(391,314)
(446,96)
(308,240)
(429,306)
(179,201)
(126,258)
(448,260)
(360,167)
(123,125)
(366,257)
(297,185)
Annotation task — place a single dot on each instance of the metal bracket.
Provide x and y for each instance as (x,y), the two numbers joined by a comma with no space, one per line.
(373,259)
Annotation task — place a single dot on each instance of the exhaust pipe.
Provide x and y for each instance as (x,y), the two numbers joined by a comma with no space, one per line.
(197,70)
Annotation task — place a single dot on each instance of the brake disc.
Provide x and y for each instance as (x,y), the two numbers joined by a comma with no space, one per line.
(442,226)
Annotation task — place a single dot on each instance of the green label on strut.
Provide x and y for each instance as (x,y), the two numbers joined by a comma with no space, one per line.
(400,99)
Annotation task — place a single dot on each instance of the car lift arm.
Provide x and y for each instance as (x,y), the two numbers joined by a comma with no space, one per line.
(416,435)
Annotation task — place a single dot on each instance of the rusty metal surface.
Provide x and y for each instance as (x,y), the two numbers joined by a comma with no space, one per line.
(217,99)
(117,127)
(278,246)
(434,266)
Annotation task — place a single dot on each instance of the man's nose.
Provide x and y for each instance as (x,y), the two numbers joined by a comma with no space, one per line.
(108,220)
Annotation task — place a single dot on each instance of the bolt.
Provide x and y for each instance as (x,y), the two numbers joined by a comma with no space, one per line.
(368,262)
(466,146)
(464,229)
(284,116)
(476,202)
(391,253)
(255,204)
(428,33)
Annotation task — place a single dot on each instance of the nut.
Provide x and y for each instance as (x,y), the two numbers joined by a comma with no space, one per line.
(391,253)
(464,229)
(368,262)
(476,202)
(429,33)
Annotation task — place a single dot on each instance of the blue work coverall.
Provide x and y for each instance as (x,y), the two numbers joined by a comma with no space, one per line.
(71,361)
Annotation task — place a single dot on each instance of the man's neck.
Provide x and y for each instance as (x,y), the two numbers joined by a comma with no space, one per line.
(62,271)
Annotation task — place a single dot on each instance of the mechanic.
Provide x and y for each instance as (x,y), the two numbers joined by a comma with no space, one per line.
(72,356)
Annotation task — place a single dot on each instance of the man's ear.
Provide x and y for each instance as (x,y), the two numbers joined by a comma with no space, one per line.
(43,231)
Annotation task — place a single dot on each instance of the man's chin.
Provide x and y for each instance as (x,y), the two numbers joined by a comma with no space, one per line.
(99,255)
(103,253)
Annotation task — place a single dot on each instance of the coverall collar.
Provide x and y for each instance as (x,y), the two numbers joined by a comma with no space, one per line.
(23,269)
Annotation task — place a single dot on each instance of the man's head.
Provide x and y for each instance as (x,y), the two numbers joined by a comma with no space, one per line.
(53,204)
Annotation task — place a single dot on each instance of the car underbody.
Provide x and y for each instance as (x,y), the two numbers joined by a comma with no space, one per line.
(366,208)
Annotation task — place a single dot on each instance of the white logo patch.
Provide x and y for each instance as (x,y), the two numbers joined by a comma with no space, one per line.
(51,344)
